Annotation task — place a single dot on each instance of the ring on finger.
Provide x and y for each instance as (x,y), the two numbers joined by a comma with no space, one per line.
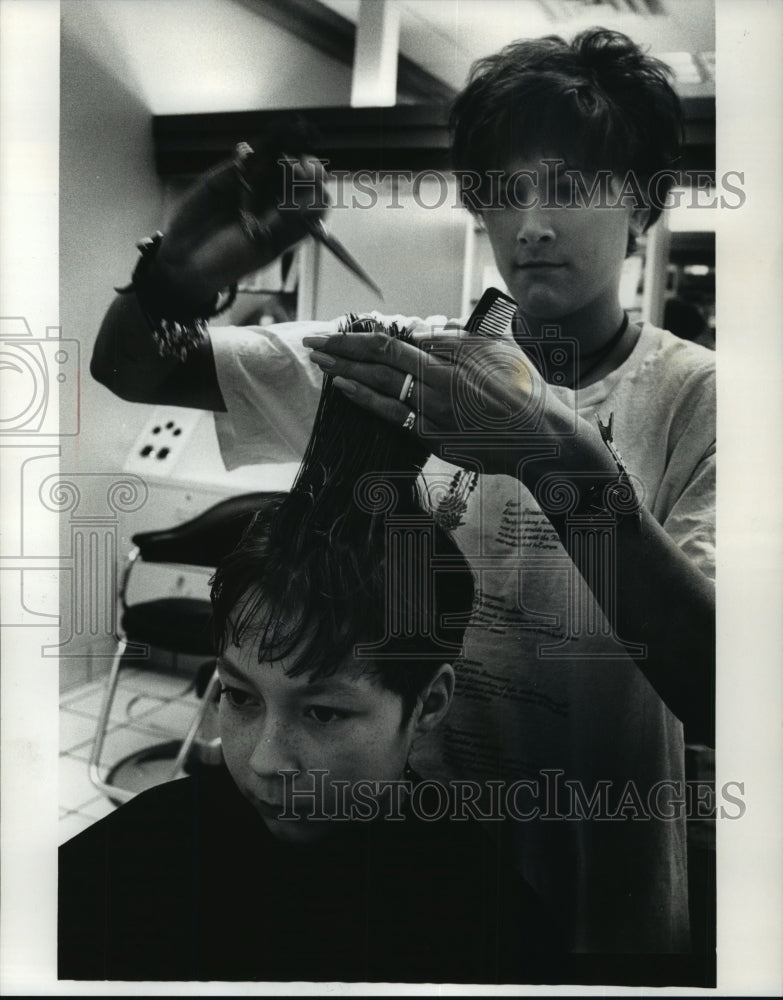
(407,389)
(409,421)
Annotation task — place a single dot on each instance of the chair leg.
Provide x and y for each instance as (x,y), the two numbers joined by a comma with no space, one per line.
(195,725)
(100,733)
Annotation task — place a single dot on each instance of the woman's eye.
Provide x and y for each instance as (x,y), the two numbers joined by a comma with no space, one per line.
(514,196)
(236,697)
(324,714)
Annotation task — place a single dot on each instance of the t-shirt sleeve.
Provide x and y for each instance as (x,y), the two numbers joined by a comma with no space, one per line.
(690,475)
(271,388)
(271,391)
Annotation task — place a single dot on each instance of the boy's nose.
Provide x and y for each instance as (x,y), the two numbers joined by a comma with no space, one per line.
(272,752)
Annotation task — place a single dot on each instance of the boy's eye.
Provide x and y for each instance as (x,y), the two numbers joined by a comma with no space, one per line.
(324,714)
(236,697)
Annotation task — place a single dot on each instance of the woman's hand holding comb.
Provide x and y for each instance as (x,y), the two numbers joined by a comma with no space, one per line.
(477,402)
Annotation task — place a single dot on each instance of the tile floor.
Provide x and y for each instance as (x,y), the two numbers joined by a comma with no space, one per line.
(149,708)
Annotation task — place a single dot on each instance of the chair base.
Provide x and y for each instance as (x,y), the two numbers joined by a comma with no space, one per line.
(150,759)
(153,765)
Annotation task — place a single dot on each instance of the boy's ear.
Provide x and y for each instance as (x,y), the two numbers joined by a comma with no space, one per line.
(639,219)
(435,700)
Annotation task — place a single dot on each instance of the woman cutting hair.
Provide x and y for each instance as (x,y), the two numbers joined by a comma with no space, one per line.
(574,456)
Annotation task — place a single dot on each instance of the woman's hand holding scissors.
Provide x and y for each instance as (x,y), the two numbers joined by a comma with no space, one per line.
(239,217)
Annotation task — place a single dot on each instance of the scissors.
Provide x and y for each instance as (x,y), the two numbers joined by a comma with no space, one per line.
(315,227)
(320,234)
(318,231)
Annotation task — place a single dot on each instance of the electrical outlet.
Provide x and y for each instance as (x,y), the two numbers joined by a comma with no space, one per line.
(162,441)
(151,581)
(191,583)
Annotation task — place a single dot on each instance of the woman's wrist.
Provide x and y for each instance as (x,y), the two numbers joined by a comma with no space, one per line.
(178,321)
(583,479)
(182,281)
(579,458)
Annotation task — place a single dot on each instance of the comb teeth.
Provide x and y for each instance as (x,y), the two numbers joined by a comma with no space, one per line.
(492,315)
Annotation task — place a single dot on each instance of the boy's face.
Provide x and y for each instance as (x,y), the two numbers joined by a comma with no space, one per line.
(346,724)
(558,260)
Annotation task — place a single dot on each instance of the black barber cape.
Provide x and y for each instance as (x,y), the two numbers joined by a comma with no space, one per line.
(186,883)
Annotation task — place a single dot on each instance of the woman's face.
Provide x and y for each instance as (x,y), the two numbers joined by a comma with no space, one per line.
(560,253)
(345,724)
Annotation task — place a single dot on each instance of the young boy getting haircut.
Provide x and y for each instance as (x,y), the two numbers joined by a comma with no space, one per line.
(315,853)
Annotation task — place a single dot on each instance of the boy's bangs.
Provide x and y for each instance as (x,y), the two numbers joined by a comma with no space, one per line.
(310,616)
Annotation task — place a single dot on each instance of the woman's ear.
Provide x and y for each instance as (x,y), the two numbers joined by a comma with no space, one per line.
(435,700)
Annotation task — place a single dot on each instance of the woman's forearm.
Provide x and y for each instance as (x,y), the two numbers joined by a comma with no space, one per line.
(653,596)
(127,361)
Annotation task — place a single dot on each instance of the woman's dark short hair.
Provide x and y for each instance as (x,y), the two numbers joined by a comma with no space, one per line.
(599,102)
(325,603)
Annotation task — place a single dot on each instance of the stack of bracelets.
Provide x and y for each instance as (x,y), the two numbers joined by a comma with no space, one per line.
(178,325)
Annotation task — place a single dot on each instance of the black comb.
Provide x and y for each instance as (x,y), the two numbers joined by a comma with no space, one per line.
(492,315)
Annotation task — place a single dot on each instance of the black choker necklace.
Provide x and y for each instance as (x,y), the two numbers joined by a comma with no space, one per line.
(603,352)
(596,357)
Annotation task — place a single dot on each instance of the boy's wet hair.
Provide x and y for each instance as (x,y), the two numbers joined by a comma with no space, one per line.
(352,557)
(599,102)
(325,607)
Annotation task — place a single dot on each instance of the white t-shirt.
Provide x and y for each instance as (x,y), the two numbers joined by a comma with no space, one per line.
(544,686)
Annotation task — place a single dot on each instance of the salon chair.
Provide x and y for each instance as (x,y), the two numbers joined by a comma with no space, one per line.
(178,625)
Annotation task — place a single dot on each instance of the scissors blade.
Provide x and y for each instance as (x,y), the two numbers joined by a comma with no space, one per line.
(319,231)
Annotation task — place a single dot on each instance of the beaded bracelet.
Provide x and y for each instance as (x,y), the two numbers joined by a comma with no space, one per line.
(178,325)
